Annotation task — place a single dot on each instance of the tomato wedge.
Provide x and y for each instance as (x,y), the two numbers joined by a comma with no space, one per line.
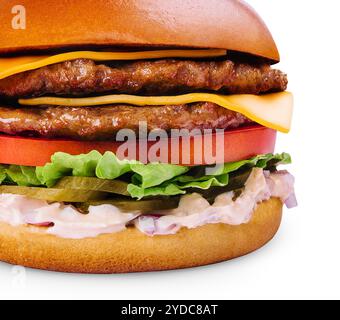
(224,147)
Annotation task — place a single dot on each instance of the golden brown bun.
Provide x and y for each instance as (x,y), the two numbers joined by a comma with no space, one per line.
(132,251)
(224,24)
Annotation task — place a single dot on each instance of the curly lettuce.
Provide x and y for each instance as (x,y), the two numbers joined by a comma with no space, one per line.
(144,180)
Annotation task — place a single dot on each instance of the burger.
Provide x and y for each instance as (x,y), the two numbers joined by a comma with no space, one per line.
(139,135)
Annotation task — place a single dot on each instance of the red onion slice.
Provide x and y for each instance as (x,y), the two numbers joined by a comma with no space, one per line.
(291,202)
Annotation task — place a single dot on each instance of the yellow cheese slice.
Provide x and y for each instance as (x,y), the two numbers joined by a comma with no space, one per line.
(15,65)
(273,110)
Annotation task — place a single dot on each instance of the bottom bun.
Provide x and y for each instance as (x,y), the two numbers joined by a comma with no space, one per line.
(132,251)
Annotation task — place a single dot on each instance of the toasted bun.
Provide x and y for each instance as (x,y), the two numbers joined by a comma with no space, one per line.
(224,24)
(132,251)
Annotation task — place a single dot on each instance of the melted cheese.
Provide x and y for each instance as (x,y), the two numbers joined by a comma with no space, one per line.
(273,110)
(12,66)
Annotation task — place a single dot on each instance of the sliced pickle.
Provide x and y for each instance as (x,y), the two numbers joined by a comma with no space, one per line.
(93,192)
(93,184)
(236,183)
(152,205)
(143,206)
(54,195)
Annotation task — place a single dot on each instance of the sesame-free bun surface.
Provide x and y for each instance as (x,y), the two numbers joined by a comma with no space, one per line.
(132,251)
(222,24)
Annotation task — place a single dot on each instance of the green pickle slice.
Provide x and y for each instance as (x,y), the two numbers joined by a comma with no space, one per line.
(86,191)
(93,184)
(54,195)
(236,184)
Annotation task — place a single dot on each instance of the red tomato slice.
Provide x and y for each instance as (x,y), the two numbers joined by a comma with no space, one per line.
(231,146)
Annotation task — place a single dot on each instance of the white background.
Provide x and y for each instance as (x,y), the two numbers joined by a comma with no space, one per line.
(303,261)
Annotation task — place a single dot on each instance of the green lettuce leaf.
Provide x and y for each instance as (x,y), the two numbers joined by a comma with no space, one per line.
(110,167)
(22,176)
(3,174)
(164,190)
(144,180)
(217,177)
(63,164)
(154,174)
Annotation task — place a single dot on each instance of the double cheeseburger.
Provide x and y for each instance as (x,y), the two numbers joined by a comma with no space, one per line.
(93,96)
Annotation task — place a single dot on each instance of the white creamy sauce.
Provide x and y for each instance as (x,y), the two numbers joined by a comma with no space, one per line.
(193,211)
(67,221)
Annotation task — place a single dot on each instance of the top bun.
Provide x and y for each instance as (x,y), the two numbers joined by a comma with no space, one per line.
(219,24)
